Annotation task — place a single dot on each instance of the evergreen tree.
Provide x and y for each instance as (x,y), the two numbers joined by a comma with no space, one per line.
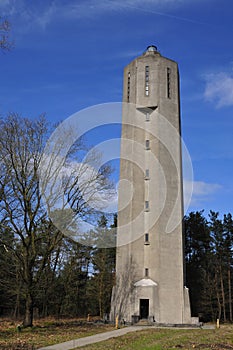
(208,255)
(103,266)
(197,256)
(8,274)
(228,233)
(219,262)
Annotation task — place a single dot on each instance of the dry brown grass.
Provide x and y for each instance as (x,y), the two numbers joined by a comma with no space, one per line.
(46,332)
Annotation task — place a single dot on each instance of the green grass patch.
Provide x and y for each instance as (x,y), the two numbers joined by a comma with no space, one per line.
(170,339)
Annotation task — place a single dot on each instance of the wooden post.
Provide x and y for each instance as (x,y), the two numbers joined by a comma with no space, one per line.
(117,321)
(218,325)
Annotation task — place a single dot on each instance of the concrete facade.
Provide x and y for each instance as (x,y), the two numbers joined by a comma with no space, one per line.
(149,264)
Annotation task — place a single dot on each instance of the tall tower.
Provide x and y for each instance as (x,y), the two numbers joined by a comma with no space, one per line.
(149,262)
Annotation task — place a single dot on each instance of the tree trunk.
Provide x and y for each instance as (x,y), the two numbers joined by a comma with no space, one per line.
(229,292)
(223,295)
(28,318)
(101,297)
(18,293)
(218,298)
(219,307)
(17,306)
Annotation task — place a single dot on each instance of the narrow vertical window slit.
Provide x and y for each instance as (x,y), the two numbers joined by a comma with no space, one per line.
(128,87)
(147,174)
(146,237)
(147,78)
(168,82)
(146,205)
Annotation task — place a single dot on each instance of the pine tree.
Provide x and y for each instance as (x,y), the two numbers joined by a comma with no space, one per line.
(198,256)
(103,266)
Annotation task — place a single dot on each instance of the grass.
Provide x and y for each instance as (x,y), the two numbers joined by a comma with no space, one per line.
(46,332)
(51,331)
(170,339)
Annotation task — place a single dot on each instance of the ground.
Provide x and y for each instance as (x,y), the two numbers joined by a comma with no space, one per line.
(51,331)
(46,332)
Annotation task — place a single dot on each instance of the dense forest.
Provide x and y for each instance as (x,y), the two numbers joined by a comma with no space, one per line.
(208,257)
(46,273)
(76,280)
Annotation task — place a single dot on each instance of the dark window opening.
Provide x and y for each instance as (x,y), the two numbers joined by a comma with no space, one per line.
(168,83)
(146,237)
(147,205)
(147,78)
(128,87)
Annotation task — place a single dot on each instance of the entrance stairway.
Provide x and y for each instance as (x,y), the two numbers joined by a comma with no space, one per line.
(144,322)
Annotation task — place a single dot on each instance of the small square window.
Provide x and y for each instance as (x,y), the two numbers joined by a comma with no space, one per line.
(147,205)
(147,144)
(147,174)
(146,272)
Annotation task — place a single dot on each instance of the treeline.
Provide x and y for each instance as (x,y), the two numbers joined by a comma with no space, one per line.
(209,264)
(76,280)
(45,272)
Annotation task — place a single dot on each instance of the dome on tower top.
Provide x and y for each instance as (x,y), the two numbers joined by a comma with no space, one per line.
(151,48)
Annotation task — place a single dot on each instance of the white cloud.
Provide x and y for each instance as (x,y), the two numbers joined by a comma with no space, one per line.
(219,89)
(9,8)
(43,13)
(90,8)
(56,179)
(201,191)
(4,3)
(201,188)
(47,15)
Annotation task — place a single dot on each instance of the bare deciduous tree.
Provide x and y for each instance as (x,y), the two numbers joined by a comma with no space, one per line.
(22,210)
(5,43)
(122,291)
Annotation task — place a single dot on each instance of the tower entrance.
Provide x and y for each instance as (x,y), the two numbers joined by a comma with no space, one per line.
(144,308)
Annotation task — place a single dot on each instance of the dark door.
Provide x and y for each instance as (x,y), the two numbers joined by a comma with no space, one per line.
(144,308)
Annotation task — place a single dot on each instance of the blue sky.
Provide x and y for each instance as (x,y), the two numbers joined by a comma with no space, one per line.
(69,55)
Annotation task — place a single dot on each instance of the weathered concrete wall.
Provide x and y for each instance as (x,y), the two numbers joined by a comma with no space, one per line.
(151,84)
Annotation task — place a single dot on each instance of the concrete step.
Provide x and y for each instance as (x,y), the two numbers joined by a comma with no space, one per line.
(144,322)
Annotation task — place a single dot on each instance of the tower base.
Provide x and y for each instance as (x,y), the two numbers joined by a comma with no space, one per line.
(143,305)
